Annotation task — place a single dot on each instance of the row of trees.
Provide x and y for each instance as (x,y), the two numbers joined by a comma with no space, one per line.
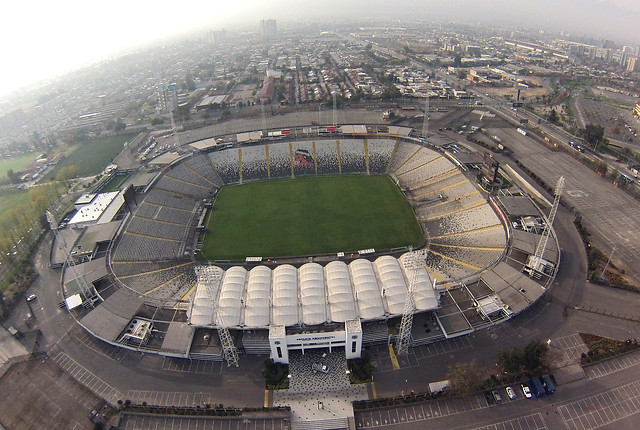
(512,363)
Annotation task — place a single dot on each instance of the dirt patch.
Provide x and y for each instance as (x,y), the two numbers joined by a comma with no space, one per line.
(38,394)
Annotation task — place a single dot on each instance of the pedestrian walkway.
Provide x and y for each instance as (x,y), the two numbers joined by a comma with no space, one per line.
(320,394)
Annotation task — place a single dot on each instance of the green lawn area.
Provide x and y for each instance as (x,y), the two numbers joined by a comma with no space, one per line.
(91,157)
(309,216)
(114,183)
(12,198)
(16,163)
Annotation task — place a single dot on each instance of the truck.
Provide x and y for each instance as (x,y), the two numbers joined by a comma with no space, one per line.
(548,383)
(536,387)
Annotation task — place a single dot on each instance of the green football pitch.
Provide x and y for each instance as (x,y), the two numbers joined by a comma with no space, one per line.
(309,216)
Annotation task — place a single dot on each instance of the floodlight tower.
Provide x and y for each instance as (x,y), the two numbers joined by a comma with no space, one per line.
(212,277)
(87,292)
(542,244)
(335,107)
(425,121)
(412,262)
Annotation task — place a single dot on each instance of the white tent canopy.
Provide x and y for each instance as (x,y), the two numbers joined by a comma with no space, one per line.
(310,295)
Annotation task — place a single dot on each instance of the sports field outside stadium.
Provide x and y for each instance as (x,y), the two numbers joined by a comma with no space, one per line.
(309,216)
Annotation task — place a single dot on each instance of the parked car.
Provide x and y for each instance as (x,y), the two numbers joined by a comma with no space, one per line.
(526,391)
(496,396)
(537,387)
(31,297)
(511,393)
(549,385)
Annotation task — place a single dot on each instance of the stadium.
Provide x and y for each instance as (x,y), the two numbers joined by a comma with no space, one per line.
(149,286)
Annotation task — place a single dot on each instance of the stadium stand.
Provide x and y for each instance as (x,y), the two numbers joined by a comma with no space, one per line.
(280,160)
(201,165)
(227,164)
(304,160)
(157,229)
(352,157)
(180,187)
(401,155)
(327,157)
(379,153)
(163,198)
(132,247)
(254,163)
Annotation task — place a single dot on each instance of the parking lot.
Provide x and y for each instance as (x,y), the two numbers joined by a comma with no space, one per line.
(431,410)
(147,422)
(612,365)
(530,422)
(569,348)
(602,409)
(37,392)
(185,365)
(382,362)
(86,378)
(172,398)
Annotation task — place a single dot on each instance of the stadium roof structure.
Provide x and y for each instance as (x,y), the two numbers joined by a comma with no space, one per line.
(309,295)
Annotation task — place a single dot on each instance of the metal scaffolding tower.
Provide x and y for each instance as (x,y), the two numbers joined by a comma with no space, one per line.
(210,278)
(87,293)
(412,262)
(536,261)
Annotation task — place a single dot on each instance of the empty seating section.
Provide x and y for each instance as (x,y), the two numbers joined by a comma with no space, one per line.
(148,210)
(312,294)
(164,230)
(304,161)
(379,152)
(184,173)
(421,158)
(132,247)
(352,156)
(434,168)
(342,306)
(280,160)
(401,155)
(162,198)
(200,163)
(482,216)
(168,183)
(258,293)
(175,216)
(227,164)
(394,290)
(445,269)
(479,257)
(126,268)
(254,163)
(492,237)
(327,156)
(230,297)
(170,278)
(285,295)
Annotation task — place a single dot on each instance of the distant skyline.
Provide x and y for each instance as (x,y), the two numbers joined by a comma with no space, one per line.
(42,38)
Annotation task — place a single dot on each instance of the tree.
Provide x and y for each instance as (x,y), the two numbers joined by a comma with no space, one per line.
(157,121)
(553,117)
(67,173)
(511,360)
(457,60)
(465,377)
(534,353)
(593,134)
(391,92)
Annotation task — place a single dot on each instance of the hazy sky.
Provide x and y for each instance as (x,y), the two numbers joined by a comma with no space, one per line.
(44,37)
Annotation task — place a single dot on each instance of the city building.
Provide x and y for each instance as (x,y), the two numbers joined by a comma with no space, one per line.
(268,29)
